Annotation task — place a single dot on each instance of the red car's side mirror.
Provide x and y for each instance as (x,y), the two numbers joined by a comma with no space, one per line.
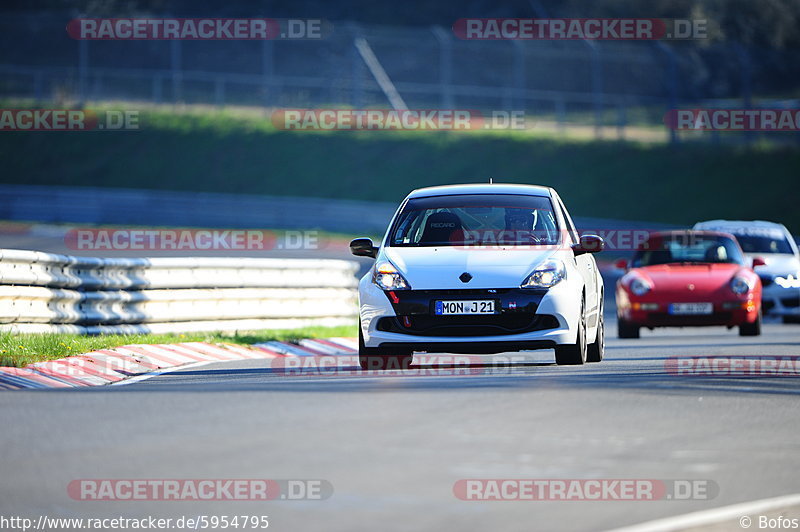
(621,264)
(758,261)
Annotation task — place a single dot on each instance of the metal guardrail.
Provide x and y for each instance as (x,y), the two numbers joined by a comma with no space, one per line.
(120,206)
(41,292)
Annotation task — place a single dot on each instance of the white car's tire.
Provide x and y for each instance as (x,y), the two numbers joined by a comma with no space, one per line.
(574,354)
(377,358)
(596,350)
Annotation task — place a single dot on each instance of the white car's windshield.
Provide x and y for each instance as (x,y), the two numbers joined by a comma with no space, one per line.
(764,244)
(480,219)
(756,240)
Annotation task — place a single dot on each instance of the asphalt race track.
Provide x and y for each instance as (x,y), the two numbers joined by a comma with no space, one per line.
(394,446)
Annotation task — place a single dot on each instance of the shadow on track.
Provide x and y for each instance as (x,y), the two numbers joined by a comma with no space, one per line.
(608,374)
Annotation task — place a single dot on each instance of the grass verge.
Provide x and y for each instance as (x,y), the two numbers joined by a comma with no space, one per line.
(19,350)
(211,151)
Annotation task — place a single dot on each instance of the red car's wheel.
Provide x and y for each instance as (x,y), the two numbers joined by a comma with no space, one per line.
(751,329)
(626,329)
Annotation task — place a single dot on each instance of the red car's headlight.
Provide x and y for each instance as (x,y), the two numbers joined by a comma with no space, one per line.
(741,285)
(639,286)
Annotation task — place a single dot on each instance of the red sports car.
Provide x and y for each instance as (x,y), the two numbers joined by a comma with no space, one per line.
(688,278)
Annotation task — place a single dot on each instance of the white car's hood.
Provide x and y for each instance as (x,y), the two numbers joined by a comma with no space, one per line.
(430,268)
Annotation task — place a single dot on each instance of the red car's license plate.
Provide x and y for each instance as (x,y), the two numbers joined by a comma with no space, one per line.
(691,308)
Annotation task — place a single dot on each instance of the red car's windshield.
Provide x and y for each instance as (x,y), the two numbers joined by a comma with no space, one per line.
(688,248)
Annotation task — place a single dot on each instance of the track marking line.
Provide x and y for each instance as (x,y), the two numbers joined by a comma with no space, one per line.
(139,378)
(714,515)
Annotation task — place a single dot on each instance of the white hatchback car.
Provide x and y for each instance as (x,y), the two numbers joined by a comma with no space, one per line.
(780,275)
(480,269)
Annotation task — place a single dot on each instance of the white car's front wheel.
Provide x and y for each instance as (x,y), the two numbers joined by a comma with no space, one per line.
(574,354)
(378,358)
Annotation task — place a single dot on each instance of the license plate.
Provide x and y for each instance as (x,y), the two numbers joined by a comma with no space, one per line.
(483,306)
(691,308)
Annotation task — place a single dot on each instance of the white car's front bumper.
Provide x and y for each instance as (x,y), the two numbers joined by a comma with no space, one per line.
(562,303)
(780,301)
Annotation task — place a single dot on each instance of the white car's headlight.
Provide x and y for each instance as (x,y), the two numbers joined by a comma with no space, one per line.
(387,277)
(789,281)
(639,286)
(740,285)
(547,274)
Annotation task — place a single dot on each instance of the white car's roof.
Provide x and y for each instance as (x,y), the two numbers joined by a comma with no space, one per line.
(732,224)
(747,227)
(482,188)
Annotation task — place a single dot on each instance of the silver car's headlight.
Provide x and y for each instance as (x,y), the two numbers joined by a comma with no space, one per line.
(740,285)
(547,274)
(387,277)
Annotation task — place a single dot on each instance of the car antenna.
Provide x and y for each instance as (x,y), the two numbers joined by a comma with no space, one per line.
(491,181)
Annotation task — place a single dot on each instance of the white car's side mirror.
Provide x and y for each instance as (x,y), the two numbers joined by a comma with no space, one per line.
(589,244)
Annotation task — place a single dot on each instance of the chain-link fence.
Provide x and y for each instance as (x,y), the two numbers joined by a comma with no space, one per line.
(600,84)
